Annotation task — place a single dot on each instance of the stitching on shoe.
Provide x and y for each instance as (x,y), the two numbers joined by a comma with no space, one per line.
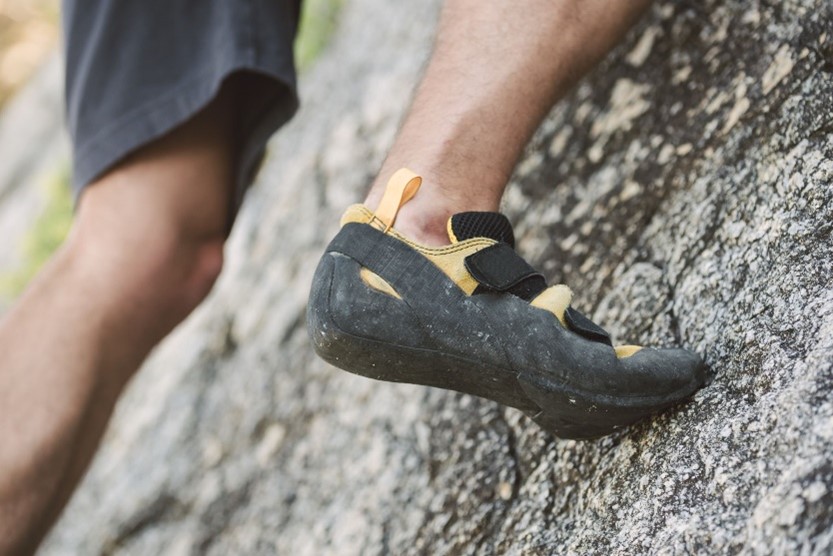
(446,249)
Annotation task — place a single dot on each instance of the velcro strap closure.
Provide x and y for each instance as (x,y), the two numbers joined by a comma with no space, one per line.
(499,268)
(583,326)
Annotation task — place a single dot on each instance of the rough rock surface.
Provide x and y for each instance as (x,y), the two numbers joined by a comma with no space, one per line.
(683,190)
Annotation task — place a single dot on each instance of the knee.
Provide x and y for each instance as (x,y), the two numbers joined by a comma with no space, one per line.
(177,273)
(190,268)
(161,273)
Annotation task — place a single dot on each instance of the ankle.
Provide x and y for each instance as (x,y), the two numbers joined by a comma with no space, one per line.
(424,218)
(424,224)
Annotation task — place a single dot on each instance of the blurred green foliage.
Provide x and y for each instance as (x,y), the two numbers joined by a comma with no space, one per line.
(318,22)
(46,234)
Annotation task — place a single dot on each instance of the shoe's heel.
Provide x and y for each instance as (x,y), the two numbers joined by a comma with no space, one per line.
(322,332)
(357,328)
(372,334)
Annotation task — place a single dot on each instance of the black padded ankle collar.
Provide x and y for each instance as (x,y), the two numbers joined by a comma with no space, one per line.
(493,225)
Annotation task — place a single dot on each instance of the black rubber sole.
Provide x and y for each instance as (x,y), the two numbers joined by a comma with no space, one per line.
(382,361)
(563,411)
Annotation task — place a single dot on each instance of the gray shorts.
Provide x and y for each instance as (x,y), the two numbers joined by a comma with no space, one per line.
(136,69)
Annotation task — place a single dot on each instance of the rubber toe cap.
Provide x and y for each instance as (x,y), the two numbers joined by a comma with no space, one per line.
(675,373)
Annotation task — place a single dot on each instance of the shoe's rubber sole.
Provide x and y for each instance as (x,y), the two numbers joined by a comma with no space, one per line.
(560,408)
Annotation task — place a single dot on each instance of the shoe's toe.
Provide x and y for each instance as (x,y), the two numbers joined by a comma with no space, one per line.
(669,375)
(648,381)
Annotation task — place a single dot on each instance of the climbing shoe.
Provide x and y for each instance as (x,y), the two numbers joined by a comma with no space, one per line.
(473,316)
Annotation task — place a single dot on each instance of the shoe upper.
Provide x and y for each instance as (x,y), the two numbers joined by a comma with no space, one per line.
(476,299)
(480,258)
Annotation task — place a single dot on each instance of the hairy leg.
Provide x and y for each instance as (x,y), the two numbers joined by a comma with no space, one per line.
(496,70)
(145,250)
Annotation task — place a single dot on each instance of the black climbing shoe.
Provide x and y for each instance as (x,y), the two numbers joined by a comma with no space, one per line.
(474,317)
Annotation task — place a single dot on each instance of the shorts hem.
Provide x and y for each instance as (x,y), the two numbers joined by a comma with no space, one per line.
(162,114)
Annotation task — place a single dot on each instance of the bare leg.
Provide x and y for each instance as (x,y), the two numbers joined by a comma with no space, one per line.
(496,70)
(145,250)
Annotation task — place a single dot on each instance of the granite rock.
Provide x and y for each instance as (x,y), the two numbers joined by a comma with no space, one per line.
(685,192)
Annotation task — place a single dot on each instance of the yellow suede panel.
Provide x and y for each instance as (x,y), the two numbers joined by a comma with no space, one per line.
(401,188)
(357,214)
(451,261)
(555,299)
(376,282)
(448,258)
(626,351)
(360,214)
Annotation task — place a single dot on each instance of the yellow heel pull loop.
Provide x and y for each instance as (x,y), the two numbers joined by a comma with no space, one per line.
(402,186)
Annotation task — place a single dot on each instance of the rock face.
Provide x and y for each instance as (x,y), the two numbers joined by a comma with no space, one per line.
(684,190)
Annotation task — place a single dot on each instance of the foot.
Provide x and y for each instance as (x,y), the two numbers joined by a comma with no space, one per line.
(473,316)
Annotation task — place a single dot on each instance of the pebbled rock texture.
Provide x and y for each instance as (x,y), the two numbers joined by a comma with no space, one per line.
(684,190)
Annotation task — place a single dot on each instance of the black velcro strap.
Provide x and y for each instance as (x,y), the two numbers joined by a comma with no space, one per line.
(583,326)
(499,268)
